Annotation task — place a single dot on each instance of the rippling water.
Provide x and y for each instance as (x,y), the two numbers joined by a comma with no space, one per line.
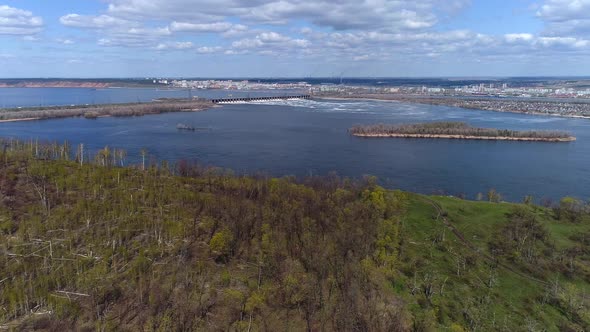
(310,137)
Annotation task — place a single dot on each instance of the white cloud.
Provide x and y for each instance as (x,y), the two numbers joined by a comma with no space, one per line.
(272,37)
(157,32)
(183,45)
(518,37)
(14,21)
(271,43)
(125,35)
(208,49)
(105,42)
(136,37)
(247,43)
(354,30)
(94,22)
(30,38)
(565,17)
(175,46)
(306,30)
(114,31)
(564,10)
(236,31)
(200,27)
(563,42)
(65,41)
(340,15)
(368,22)
(235,52)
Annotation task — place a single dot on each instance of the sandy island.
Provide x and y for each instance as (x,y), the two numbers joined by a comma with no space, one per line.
(493,138)
(457,130)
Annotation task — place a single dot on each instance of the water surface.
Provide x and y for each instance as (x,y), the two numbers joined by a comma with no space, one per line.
(310,137)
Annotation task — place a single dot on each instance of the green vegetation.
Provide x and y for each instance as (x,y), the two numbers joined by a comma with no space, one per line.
(161,248)
(443,129)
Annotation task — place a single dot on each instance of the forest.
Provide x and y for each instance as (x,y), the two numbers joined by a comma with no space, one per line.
(94,111)
(93,244)
(433,129)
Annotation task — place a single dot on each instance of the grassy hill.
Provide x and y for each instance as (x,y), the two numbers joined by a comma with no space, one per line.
(160,248)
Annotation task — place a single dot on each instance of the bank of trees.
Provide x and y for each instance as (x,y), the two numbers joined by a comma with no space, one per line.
(87,246)
(451,128)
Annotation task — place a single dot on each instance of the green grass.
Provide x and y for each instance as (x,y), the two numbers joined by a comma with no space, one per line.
(513,302)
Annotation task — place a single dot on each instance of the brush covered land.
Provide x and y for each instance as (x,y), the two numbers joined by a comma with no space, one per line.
(455,130)
(95,247)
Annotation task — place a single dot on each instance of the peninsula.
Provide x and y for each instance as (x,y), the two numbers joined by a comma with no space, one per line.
(95,111)
(457,130)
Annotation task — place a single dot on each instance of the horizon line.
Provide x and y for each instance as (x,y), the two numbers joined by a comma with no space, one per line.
(294,77)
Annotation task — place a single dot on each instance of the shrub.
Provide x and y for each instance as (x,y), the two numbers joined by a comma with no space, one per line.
(221,242)
(570,209)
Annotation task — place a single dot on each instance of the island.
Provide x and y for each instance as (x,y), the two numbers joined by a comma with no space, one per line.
(457,130)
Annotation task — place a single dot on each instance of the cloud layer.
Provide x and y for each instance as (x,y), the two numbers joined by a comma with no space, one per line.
(320,32)
(356,30)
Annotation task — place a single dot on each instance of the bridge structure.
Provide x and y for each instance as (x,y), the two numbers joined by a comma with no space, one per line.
(240,100)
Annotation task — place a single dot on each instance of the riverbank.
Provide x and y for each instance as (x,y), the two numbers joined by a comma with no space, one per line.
(96,111)
(579,110)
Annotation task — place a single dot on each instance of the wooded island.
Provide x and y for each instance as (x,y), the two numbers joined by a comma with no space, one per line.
(457,130)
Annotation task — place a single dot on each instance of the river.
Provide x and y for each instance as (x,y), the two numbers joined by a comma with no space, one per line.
(310,137)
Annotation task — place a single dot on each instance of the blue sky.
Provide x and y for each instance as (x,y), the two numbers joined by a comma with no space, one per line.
(295,38)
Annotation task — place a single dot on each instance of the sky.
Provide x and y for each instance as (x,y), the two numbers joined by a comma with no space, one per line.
(294,38)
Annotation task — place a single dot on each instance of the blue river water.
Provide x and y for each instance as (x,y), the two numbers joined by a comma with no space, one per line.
(310,137)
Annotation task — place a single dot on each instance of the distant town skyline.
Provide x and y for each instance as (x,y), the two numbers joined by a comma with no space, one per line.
(294,38)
